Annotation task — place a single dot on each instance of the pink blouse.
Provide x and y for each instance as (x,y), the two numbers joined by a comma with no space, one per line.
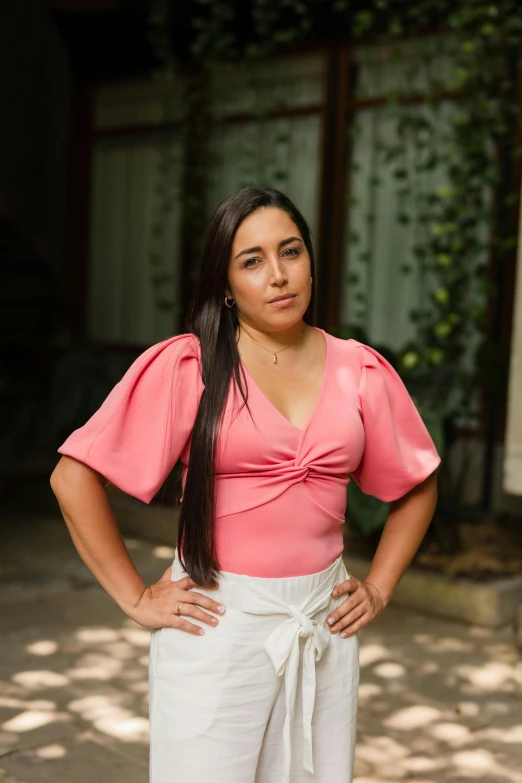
(280,490)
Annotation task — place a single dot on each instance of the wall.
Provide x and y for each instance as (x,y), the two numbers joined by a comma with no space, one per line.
(35,83)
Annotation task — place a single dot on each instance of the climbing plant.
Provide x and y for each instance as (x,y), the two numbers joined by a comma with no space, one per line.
(459,190)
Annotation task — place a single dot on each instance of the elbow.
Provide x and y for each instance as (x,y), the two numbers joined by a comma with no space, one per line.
(56,478)
(70,475)
(62,474)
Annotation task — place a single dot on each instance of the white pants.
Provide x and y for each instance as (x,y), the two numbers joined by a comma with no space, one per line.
(267,696)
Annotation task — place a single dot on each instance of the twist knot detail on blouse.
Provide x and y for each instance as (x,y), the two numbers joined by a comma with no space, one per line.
(280,491)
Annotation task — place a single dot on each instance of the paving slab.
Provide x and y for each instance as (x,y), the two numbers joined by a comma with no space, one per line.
(440,701)
(5,778)
(80,759)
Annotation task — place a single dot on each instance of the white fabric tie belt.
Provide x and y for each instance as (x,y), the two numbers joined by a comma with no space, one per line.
(282,647)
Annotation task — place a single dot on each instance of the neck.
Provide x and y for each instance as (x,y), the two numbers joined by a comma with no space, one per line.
(274,339)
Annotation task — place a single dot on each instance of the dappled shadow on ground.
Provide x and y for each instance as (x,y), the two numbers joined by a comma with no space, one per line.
(440,702)
(71,688)
(73,667)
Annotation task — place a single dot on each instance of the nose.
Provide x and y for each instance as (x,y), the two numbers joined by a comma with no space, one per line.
(278,275)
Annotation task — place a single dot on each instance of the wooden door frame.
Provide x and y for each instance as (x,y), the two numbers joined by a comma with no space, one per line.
(333,187)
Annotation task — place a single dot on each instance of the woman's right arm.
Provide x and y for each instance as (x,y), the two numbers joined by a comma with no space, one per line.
(81,495)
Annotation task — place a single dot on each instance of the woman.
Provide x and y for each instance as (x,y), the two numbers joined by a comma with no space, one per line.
(254,653)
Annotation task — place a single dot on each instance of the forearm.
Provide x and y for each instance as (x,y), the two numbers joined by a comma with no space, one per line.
(87,512)
(402,535)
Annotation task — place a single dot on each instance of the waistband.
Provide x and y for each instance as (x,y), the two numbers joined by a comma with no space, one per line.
(299,599)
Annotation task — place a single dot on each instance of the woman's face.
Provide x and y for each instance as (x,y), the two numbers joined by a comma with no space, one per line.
(268,259)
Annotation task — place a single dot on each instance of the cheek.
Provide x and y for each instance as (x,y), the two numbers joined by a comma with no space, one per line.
(302,273)
(248,289)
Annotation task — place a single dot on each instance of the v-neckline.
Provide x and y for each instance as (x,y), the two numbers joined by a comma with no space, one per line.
(320,397)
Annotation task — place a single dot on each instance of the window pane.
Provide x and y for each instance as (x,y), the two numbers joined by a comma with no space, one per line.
(138,103)
(389,181)
(383,229)
(123,301)
(281,152)
(289,82)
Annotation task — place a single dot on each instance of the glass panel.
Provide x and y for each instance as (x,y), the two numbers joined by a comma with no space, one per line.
(138,103)
(123,301)
(283,154)
(262,86)
(383,280)
(379,245)
(411,66)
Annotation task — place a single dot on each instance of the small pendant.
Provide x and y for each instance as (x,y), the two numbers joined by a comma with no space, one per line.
(275,359)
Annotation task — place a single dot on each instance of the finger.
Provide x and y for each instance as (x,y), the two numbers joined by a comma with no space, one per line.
(185,625)
(186,583)
(360,623)
(346,606)
(339,612)
(204,601)
(348,586)
(348,619)
(194,611)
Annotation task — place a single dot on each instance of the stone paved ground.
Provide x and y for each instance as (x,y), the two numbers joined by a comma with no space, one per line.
(440,702)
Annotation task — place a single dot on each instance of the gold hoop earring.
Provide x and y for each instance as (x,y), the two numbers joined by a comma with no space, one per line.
(230,306)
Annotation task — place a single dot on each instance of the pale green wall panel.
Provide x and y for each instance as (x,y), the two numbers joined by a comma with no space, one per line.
(122,298)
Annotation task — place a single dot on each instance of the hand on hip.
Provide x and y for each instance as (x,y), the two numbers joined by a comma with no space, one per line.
(167,603)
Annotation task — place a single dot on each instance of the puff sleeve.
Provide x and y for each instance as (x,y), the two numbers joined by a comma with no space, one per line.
(136,436)
(399,452)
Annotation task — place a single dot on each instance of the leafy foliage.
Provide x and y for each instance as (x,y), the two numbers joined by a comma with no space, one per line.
(458,221)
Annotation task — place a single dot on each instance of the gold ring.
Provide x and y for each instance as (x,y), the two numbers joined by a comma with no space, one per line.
(179,608)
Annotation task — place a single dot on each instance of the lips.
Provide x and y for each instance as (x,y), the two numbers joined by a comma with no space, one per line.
(282,297)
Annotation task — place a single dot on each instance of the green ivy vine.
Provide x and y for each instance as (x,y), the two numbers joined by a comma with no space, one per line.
(473,151)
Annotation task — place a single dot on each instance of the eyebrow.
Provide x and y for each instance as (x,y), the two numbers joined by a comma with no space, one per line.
(258,249)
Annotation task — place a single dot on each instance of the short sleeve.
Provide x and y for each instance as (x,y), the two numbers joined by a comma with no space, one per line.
(399,452)
(137,435)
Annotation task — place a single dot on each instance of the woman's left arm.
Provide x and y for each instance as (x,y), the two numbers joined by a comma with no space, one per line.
(406,526)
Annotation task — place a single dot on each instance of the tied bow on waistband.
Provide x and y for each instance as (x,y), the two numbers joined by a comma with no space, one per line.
(283,647)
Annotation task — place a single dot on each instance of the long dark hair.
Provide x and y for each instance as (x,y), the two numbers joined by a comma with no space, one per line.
(215,325)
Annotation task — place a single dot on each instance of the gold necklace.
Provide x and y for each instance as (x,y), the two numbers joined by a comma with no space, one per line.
(274,353)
